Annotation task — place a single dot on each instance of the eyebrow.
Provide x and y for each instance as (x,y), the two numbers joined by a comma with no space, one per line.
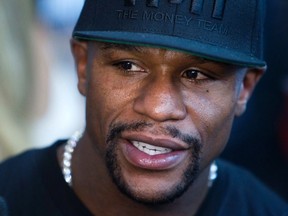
(128,47)
(141,49)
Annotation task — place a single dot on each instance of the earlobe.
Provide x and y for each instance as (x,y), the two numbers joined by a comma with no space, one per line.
(241,102)
(249,81)
(79,51)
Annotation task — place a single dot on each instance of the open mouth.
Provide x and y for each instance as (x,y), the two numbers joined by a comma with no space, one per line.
(150,149)
(156,154)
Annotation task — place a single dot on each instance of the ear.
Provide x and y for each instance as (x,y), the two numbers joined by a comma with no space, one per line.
(80,55)
(248,83)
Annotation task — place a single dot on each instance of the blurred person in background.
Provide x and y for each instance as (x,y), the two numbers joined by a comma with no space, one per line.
(17,75)
(33,70)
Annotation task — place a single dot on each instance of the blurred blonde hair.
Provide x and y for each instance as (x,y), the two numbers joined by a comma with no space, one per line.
(16,75)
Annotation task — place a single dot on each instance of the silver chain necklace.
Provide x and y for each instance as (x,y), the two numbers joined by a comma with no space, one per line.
(67,157)
(72,143)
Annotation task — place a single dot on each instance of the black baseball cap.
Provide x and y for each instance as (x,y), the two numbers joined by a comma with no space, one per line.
(229,31)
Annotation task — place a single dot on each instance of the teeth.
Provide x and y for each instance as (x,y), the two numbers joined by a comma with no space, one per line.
(150,149)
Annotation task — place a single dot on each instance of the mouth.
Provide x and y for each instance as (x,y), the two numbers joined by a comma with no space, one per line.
(141,146)
(150,149)
(159,154)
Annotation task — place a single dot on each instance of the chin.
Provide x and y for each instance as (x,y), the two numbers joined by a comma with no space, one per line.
(151,187)
(155,197)
(160,191)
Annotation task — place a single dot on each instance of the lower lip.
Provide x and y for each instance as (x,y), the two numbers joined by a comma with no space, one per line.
(152,162)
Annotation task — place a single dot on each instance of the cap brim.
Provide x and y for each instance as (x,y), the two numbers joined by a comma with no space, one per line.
(204,50)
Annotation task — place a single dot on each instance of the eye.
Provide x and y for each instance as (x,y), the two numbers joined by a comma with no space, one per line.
(129,66)
(194,75)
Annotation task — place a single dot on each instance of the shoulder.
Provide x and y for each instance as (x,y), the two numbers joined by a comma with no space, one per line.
(16,167)
(25,162)
(238,192)
(23,178)
(26,166)
(245,183)
(3,207)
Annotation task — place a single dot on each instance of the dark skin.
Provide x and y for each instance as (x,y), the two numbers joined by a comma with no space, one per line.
(165,89)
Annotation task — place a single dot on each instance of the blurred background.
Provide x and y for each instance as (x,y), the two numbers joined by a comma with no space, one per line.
(39,101)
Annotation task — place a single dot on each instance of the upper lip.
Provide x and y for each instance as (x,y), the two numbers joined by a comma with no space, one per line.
(156,140)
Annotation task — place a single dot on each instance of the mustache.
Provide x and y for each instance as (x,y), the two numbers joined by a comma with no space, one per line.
(116,129)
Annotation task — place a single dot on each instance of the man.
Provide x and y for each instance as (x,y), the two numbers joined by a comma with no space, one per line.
(163,82)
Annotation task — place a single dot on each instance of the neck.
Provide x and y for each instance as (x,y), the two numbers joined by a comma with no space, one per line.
(95,188)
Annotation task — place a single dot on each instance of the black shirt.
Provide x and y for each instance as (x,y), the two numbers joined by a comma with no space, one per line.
(3,208)
(32,184)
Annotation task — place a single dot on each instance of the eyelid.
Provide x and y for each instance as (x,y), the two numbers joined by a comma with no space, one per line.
(204,79)
(120,63)
(199,71)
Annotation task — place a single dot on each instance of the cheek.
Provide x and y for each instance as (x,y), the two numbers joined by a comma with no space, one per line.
(107,99)
(213,114)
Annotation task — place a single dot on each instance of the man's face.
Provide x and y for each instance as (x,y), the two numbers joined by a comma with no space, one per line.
(156,117)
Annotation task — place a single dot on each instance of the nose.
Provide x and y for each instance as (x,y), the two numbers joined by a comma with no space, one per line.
(160,100)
